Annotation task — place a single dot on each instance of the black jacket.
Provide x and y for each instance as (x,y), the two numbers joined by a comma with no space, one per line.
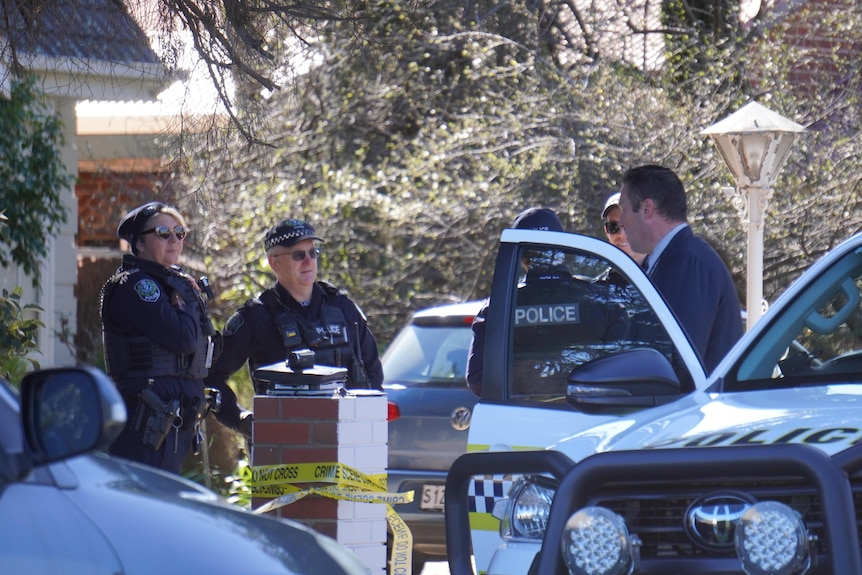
(251,335)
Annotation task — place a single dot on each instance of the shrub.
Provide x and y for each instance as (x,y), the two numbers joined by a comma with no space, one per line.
(18,336)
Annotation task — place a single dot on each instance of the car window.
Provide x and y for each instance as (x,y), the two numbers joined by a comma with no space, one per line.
(573,307)
(816,339)
(429,354)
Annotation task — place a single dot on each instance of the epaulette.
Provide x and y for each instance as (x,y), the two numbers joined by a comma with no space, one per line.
(122,276)
(329,288)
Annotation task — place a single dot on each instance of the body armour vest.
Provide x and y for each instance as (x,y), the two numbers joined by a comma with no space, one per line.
(128,355)
(327,337)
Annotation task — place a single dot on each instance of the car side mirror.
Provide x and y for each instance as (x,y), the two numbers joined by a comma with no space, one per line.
(69,411)
(636,378)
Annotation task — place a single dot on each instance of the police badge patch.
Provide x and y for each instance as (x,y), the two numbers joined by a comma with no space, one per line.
(148,290)
(234,322)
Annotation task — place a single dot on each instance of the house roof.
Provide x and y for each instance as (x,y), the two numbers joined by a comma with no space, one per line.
(78,29)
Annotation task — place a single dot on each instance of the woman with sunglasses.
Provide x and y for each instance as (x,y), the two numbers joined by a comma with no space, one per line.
(158,340)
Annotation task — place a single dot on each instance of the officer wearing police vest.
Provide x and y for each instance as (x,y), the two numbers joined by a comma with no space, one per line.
(529,219)
(298,312)
(158,340)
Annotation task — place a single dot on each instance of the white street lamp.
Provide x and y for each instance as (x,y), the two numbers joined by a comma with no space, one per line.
(754,142)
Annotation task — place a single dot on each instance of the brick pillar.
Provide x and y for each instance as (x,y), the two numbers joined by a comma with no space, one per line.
(351,430)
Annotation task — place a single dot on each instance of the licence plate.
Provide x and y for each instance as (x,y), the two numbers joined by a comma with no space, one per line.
(433,497)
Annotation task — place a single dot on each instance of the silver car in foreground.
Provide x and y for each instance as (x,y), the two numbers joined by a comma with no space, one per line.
(64,508)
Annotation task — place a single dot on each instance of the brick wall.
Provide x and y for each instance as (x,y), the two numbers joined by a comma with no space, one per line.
(823,56)
(105,196)
(349,430)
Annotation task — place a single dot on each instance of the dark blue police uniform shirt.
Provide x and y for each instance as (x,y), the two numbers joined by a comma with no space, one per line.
(251,334)
(140,305)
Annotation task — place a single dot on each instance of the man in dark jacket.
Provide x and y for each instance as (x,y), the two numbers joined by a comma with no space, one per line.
(685,269)
(298,312)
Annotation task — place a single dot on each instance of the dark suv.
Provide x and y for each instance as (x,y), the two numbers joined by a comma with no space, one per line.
(429,412)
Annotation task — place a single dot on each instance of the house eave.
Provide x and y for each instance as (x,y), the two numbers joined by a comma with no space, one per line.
(83,79)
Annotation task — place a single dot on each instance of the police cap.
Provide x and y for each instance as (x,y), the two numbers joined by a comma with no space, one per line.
(538,219)
(288,233)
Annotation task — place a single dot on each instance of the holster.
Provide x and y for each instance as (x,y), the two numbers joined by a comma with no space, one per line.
(153,418)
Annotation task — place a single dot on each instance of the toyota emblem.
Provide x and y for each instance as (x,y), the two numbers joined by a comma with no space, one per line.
(711,520)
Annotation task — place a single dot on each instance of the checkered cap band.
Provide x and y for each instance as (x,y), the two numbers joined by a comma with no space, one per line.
(288,233)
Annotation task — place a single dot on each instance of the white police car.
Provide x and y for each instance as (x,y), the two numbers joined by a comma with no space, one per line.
(65,509)
(770,436)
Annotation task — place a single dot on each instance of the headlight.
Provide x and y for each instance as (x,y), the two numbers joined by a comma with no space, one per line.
(524,515)
(597,542)
(771,539)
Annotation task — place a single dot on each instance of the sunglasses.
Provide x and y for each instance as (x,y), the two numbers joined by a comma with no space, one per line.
(612,228)
(299,255)
(165,232)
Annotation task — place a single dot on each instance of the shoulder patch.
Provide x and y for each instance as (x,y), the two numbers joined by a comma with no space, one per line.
(234,322)
(148,290)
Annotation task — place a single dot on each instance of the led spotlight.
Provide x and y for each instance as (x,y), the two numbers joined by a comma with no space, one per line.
(596,542)
(771,539)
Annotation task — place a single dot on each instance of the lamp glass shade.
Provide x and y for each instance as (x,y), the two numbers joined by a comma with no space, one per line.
(754,143)
(754,159)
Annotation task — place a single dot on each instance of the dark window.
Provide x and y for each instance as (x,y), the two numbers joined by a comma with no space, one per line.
(572,308)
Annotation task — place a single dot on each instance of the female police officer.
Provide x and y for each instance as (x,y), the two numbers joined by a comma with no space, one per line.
(157,336)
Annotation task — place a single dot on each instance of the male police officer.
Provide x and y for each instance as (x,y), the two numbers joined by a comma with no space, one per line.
(298,312)
(529,219)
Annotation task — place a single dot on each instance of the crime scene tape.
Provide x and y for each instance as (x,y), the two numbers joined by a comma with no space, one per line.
(278,482)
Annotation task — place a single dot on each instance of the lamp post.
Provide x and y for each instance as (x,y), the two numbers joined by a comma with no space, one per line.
(754,142)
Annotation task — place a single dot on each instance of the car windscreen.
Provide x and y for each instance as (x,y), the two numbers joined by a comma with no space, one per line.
(426,354)
(816,339)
